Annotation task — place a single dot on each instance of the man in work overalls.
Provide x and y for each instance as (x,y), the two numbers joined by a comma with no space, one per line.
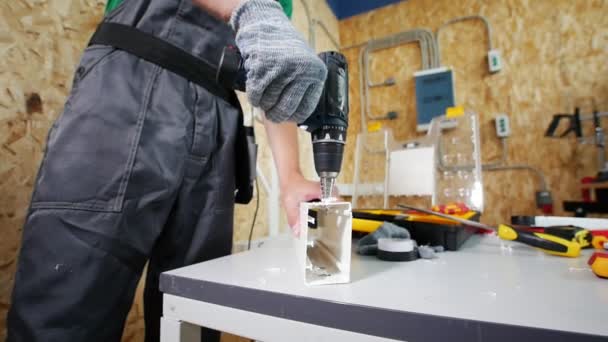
(145,160)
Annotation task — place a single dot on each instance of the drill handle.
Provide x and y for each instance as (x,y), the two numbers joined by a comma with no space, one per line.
(333,106)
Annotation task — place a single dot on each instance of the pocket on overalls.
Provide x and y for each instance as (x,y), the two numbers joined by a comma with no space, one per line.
(205,130)
(91,146)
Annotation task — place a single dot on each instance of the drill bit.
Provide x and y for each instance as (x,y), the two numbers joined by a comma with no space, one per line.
(327,185)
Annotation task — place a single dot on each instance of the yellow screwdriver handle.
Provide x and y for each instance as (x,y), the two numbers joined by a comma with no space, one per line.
(548,243)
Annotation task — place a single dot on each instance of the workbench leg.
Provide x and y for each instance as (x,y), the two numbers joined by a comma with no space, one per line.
(172,330)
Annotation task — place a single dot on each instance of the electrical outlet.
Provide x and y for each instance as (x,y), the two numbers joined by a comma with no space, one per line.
(503,127)
(544,201)
(494,61)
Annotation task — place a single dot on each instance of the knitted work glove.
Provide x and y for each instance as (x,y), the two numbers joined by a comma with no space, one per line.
(285,77)
(368,245)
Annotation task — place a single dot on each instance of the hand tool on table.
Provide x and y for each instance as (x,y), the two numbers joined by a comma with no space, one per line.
(573,233)
(599,264)
(548,243)
(368,220)
(587,231)
(327,124)
(599,242)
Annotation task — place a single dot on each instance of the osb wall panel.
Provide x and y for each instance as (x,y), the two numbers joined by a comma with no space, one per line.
(554,59)
(40,44)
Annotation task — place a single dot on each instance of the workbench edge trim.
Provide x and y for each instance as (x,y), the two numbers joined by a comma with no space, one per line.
(387,323)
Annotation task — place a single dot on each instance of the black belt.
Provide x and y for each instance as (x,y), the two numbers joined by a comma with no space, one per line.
(166,55)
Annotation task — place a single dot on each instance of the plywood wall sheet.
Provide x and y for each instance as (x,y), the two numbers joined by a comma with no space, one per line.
(554,59)
(40,45)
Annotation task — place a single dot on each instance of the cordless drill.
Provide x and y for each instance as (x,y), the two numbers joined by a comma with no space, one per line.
(327,124)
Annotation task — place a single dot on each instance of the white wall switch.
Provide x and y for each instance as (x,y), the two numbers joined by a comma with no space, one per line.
(503,127)
(494,61)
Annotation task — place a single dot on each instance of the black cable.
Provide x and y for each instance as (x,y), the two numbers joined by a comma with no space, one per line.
(255,214)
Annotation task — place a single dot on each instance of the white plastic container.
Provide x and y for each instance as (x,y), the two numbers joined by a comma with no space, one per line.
(325,242)
(458,161)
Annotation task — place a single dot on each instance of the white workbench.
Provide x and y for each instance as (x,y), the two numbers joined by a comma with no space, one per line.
(489,290)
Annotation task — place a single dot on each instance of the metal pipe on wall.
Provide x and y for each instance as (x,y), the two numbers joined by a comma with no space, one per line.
(587,117)
(312,24)
(499,165)
(460,19)
(539,174)
(321,24)
(311,32)
(425,40)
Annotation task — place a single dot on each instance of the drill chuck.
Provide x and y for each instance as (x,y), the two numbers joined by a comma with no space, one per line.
(328,155)
(328,148)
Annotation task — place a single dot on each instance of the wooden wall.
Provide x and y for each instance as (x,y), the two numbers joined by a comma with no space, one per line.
(554,53)
(40,44)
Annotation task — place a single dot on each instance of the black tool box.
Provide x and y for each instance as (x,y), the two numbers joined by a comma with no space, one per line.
(450,236)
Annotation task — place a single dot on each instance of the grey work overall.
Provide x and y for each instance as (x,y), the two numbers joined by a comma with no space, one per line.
(139,167)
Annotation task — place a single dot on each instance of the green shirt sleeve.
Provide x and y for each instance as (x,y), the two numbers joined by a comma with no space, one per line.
(286,4)
(287,7)
(112,4)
